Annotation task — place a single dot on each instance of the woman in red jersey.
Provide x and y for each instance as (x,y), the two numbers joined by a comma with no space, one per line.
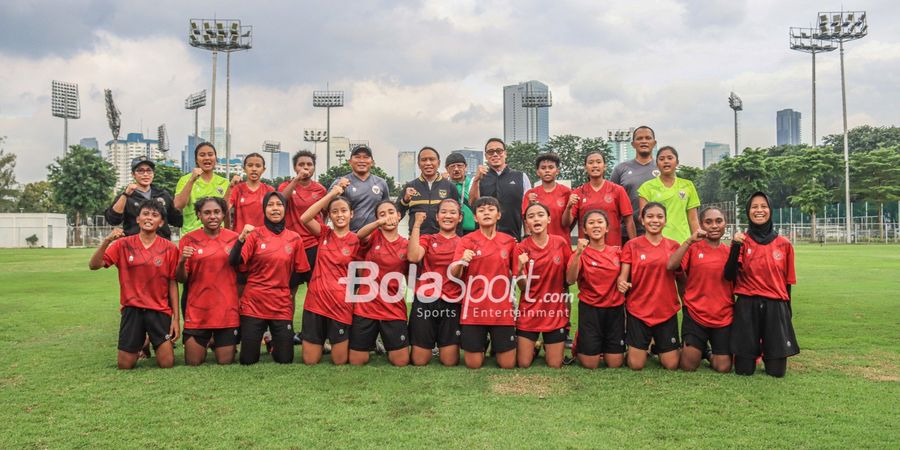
(434,319)
(549,193)
(541,260)
(246,196)
(270,255)
(327,314)
(601,307)
(762,265)
(651,299)
(211,312)
(708,297)
(604,195)
(148,290)
(382,310)
(484,264)
(301,192)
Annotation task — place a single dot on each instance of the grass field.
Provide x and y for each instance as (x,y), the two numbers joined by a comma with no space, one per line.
(59,386)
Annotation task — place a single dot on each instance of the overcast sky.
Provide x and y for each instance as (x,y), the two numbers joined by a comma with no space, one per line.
(431,72)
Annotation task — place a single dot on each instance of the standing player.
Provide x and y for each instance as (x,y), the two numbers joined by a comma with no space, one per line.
(762,264)
(601,307)
(301,192)
(434,319)
(126,207)
(651,300)
(541,260)
(246,196)
(551,194)
(677,194)
(385,314)
(202,182)
(148,291)
(484,263)
(603,195)
(326,312)
(270,255)
(211,314)
(633,173)
(708,297)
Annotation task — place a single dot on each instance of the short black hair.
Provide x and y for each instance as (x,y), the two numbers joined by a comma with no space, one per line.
(669,148)
(643,127)
(495,139)
(201,145)
(653,205)
(594,212)
(419,154)
(254,155)
(594,152)
(303,153)
(153,204)
(199,204)
(552,157)
(486,201)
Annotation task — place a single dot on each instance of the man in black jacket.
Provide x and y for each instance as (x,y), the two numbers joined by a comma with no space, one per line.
(425,194)
(126,207)
(508,186)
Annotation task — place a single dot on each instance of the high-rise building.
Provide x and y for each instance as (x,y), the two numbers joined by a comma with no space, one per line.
(521,123)
(406,166)
(281,164)
(187,156)
(474,158)
(91,142)
(120,153)
(219,143)
(787,127)
(714,152)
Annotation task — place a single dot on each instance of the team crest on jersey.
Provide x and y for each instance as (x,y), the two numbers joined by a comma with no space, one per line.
(504,253)
(376,190)
(643,257)
(700,255)
(478,252)
(594,263)
(655,172)
(377,247)
(434,244)
(560,202)
(157,261)
(682,194)
(262,246)
(199,251)
(314,195)
(130,258)
(136,204)
(749,250)
(288,249)
(442,192)
(242,199)
(557,259)
(220,190)
(608,198)
(345,251)
(776,254)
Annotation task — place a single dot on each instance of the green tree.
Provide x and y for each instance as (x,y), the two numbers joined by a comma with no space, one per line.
(338,171)
(8,190)
(521,155)
(38,197)
(82,182)
(745,174)
(807,171)
(875,177)
(864,138)
(166,177)
(572,150)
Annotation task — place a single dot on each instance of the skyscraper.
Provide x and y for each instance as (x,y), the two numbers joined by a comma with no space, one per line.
(787,126)
(524,124)
(187,156)
(219,142)
(406,166)
(714,152)
(474,158)
(121,152)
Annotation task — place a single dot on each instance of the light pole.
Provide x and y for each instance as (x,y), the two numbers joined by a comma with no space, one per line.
(273,148)
(844,26)
(65,104)
(735,103)
(315,135)
(196,101)
(535,99)
(620,136)
(807,40)
(328,99)
(221,35)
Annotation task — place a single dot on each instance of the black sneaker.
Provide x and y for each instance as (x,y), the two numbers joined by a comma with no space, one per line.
(379,347)
(568,360)
(435,351)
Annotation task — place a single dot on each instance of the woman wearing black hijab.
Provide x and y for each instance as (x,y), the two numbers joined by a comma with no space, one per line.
(270,256)
(761,264)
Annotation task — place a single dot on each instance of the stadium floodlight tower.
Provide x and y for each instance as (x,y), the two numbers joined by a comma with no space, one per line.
(315,135)
(735,103)
(163,138)
(621,137)
(196,101)
(328,99)
(65,104)
(534,99)
(221,35)
(841,26)
(113,116)
(807,40)
(273,148)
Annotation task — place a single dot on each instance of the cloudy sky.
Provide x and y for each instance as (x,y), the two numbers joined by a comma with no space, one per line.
(431,72)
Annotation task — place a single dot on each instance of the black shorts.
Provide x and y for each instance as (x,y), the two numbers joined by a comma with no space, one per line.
(433,323)
(600,330)
(317,328)
(696,335)
(664,335)
(137,323)
(223,336)
(762,327)
(304,277)
(364,333)
(252,331)
(550,337)
(474,338)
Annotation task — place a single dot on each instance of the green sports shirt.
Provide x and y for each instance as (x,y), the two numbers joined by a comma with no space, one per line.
(677,199)
(215,188)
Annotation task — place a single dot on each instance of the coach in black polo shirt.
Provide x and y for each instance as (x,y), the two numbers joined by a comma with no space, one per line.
(424,194)
(127,206)
(505,184)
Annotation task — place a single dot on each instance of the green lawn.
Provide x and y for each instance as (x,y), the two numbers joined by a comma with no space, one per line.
(59,386)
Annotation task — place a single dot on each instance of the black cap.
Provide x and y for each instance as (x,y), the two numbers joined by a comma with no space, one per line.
(142,160)
(455,158)
(361,149)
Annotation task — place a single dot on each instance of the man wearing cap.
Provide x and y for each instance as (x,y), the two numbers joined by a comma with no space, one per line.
(126,207)
(425,194)
(365,190)
(457,166)
(508,186)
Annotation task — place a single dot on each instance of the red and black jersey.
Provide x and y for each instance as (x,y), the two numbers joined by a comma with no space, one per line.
(390,257)
(555,201)
(439,252)
(766,270)
(212,300)
(543,307)
(708,296)
(270,260)
(327,295)
(492,265)
(247,204)
(653,297)
(598,276)
(144,273)
(300,200)
(610,198)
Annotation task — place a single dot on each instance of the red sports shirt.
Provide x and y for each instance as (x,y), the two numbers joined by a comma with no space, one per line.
(708,296)
(766,270)
(493,263)
(610,198)
(653,297)
(438,256)
(327,296)
(144,273)
(300,200)
(555,201)
(247,204)
(391,259)
(269,260)
(598,275)
(544,307)
(212,300)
